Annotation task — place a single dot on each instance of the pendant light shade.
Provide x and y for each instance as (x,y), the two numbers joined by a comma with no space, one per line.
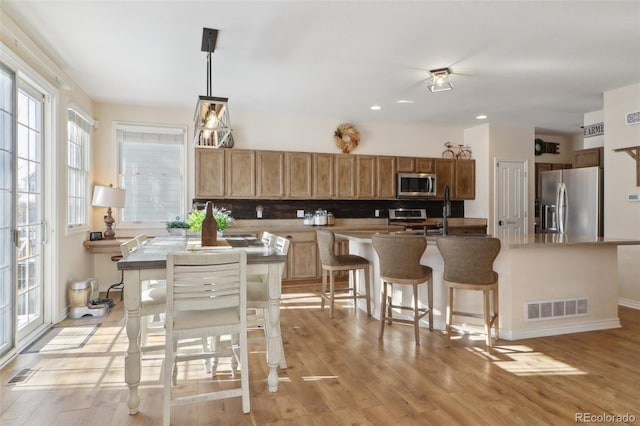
(211,119)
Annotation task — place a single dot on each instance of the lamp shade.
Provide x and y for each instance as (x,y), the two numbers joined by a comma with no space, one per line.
(108,196)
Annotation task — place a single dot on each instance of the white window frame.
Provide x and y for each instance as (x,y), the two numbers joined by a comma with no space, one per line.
(152,128)
(85,168)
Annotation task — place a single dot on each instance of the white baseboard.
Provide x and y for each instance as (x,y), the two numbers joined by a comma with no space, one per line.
(555,330)
(629,303)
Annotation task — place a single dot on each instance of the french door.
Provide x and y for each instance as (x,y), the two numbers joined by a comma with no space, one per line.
(22,221)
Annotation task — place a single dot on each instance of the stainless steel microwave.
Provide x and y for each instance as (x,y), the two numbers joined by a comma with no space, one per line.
(416,185)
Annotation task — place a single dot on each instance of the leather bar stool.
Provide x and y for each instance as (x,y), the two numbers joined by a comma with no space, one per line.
(400,264)
(331,263)
(468,265)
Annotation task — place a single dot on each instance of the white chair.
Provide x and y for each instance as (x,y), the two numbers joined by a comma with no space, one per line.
(258,299)
(258,302)
(206,297)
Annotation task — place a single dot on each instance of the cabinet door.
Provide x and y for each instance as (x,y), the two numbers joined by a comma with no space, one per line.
(405,164)
(425,165)
(588,157)
(445,175)
(385,177)
(465,186)
(365,176)
(240,173)
(209,172)
(302,259)
(345,176)
(298,174)
(323,176)
(270,174)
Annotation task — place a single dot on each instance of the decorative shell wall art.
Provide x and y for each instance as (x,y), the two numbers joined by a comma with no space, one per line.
(346,137)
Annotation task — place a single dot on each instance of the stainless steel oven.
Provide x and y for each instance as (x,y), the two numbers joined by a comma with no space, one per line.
(413,221)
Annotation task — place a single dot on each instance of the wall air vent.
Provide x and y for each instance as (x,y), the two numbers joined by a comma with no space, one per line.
(632,118)
(553,309)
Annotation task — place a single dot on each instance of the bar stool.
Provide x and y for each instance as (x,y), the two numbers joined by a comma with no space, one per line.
(400,264)
(468,265)
(125,248)
(330,263)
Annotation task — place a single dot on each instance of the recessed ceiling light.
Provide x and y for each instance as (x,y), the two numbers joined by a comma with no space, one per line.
(481,117)
(376,107)
(404,101)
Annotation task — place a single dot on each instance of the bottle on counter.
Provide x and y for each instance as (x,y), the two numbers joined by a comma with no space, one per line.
(330,219)
(209,235)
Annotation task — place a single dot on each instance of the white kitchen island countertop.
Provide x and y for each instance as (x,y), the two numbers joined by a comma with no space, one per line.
(549,272)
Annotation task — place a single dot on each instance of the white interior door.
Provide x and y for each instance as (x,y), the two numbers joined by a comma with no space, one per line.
(510,198)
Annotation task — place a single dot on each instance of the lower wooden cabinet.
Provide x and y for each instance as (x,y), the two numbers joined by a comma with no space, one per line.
(302,259)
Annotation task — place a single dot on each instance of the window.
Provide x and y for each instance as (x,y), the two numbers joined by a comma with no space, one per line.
(151,171)
(78,145)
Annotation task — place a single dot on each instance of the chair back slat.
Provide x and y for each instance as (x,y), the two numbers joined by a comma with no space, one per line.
(206,281)
(128,247)
(267,238)
(281,244)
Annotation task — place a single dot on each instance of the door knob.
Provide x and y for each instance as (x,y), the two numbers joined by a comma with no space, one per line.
(500,223)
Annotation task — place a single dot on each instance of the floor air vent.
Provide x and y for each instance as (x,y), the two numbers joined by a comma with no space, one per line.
(552,309)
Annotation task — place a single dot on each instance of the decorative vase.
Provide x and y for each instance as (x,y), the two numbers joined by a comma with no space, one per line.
(209,228)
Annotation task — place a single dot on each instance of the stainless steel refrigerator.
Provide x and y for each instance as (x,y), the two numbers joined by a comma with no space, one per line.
(571,201)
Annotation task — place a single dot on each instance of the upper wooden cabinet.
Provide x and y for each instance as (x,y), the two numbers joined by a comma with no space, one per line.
(209,173)
(465,183)
(425,165)
(345,176)
(385,177)
(445,170)
(298,174)
(323,176)
(240,173)
(366,176)
(243,173)
(588,157)
(270,174)
(405,164)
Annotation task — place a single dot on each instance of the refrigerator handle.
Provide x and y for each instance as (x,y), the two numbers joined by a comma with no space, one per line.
(562,208)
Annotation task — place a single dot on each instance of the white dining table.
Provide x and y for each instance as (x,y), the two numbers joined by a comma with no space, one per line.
(149,263)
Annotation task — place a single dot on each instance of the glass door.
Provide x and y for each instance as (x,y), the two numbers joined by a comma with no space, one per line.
(7,106)
(29,220)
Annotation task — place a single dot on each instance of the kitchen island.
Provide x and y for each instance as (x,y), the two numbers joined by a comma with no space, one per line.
(550,284)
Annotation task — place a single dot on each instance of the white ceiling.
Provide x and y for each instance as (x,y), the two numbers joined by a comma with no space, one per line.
(544,63)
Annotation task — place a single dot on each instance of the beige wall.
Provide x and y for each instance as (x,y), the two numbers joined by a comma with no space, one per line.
(622,217)
(565,149)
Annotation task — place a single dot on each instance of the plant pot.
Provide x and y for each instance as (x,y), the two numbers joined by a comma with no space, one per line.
(178,232)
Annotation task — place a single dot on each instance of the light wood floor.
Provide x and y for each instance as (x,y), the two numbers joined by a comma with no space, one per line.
(341,374)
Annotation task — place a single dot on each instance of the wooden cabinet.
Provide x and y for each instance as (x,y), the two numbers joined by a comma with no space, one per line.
(425,165)
(240,173)
(323,176)
(209,172)
(298,174)
(270,174)
(467,230)
(302,259)
(465,183)
(445,170)
(405,164)
(237,173)
(588,157)
(345,176)
(365,176)
(385,177)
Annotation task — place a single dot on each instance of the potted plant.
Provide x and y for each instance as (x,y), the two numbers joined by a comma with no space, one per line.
(177,227)
(222,216)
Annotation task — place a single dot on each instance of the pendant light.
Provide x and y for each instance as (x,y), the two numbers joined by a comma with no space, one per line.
(211,120)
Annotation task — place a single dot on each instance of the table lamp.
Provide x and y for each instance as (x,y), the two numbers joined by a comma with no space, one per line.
(108,196)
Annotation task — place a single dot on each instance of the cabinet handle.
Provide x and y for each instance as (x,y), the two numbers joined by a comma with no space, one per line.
(289,237)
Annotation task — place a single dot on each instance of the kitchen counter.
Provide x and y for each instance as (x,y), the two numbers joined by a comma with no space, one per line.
(543,279)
